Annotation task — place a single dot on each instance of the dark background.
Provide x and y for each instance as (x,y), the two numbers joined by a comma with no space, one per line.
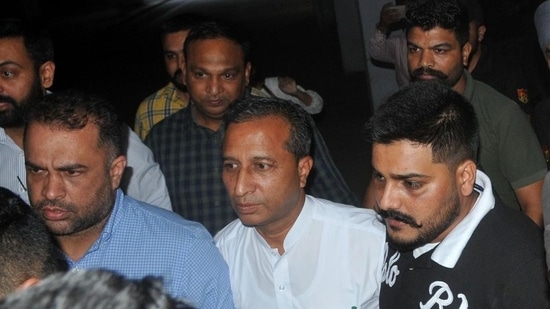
(112,48)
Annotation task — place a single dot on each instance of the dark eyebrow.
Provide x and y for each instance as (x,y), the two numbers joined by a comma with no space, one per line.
(70,167)
(30,164)
(64,168)
(408,176)
(400,177)
(9,62)
(442,45)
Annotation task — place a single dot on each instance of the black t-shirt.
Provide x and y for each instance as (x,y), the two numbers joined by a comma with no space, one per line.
(502,266)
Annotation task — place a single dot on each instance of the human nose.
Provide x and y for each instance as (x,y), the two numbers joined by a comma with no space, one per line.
(387,197)
(214,86)
(243,183)
(426,60)
(181,61)
(53,187)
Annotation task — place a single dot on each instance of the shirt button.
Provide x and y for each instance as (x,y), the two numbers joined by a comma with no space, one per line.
(281,287)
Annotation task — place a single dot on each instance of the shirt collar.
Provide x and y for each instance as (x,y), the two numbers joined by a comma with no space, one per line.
(116,214)
(7,140)
(3,136)
(300,225)
(449,250)
(298,228)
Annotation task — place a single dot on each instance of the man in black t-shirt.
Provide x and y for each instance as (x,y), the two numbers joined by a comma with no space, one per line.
(449,243)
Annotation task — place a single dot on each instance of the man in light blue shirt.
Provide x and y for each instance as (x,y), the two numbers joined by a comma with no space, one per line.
(74,148)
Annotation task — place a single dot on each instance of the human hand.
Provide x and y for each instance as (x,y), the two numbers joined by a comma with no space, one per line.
(388,15)
(288,85)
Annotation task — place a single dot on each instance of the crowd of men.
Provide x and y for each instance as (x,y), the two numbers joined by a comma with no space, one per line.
(232,199)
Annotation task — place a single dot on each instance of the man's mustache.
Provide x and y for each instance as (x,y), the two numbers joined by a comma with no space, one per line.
(6,99)
(53,203)
(392,214)
(428,71)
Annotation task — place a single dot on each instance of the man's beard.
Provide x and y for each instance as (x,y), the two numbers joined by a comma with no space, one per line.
(91,214)
(177,80)
(15,117)
(427,231)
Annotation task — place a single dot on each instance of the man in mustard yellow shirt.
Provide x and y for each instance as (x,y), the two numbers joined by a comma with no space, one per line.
(172,97)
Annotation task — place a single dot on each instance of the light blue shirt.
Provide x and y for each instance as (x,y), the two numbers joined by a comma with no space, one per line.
(141,240)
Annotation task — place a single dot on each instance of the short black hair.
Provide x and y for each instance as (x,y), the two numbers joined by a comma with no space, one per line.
(36,39)
(254,108)
(428,113)
(73,110)
(447,14)
(27,249)
(216,29)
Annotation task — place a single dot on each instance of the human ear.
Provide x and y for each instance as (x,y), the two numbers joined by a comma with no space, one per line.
(117,170)
(481,33)
(466,50)
(466,177)
(304,167)
(28,283)
(47,72)
(247,70)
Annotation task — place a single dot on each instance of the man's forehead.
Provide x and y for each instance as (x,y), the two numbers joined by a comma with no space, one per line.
(222,44)
(14,46)
(435,32)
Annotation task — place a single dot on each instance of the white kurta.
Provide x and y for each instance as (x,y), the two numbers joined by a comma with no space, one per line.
(333,259)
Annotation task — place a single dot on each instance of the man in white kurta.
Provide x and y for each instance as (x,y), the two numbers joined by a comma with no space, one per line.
(332,259)
(288,249)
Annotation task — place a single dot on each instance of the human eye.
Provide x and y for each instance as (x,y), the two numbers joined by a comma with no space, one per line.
(170,56)
(440,50)
(262,166)
(199,74)
(413,49)
(229,75)
(377,176)
(7,73)
(73,173)
(229,166)
(34,170)
(413,185)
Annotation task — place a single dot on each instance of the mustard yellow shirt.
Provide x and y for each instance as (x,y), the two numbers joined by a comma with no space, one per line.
(156,107)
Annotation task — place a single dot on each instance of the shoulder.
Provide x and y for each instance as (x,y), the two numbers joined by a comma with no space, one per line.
(160,224)
(176,122)
(346,216)
(136,146)
(150,99)
(504,228)
(486,96)
(234,230)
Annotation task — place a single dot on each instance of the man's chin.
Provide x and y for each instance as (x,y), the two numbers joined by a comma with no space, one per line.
(404,245)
